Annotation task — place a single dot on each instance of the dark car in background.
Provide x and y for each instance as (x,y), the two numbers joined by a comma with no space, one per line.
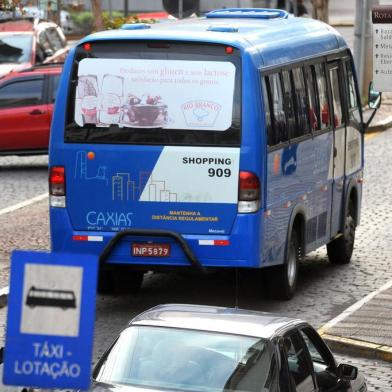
(26,107)
(25,42)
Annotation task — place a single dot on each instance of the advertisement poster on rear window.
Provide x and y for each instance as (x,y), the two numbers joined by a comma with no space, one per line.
(173,94)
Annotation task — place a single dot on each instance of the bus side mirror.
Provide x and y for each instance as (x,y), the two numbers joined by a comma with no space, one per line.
(374,98)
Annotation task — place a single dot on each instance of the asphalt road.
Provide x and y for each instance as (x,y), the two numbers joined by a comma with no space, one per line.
(324,290)
(22,178)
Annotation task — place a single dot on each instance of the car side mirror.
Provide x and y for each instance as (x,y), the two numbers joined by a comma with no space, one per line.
(374,98)
(48,52)
(347,372)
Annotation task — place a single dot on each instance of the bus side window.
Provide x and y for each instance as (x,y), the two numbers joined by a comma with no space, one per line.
(289,104)
(314,111)
(352,97)
(336,97)
(352,94)
(301,103)
(268,114)
(279,115)
(322,95)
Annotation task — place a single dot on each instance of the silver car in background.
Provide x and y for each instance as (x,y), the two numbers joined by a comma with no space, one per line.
(204,348)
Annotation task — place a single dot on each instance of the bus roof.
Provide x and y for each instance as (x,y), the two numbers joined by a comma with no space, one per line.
(275,41)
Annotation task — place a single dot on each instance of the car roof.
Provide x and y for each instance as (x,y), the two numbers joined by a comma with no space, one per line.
(45,69)
(216,319)
(17,25)
(24,24)
(13,33)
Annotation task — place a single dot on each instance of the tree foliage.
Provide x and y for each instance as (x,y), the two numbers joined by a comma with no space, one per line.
(10,5)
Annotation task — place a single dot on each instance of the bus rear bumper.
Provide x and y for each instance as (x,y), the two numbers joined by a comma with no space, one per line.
(242,248)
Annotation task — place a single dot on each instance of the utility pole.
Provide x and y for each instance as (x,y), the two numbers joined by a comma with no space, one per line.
(363,58)
(126,8)
(295,7)
(180,9)
(110,6)
(59,12)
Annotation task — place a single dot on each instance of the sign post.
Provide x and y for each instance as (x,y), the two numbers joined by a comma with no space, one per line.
(382,48)
(50,324)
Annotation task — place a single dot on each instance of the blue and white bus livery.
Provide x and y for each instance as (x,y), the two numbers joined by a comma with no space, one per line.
(233,140)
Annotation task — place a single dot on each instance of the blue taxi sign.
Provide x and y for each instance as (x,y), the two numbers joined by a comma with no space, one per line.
(50,323)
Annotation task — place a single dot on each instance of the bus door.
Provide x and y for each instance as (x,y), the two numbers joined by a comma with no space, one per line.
(339,142)
(354,132)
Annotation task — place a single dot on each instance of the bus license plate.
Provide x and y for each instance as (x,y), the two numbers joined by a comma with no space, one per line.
(151,250)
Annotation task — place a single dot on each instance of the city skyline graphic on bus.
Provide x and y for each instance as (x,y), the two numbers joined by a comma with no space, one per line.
(82,169)
(125,189)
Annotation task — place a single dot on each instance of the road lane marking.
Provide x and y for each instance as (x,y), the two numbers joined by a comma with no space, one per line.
(353,308)
(5,290)
(25,203)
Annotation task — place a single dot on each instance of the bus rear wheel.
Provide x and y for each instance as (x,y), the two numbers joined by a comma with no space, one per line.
(341,249)
(282,279)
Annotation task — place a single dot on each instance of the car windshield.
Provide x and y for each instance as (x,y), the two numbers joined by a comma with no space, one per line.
(15,48)
(188,360)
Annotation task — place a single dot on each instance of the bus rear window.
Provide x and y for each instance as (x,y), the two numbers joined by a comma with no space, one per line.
(139,93)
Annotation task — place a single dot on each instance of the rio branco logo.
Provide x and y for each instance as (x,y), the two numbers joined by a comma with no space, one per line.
(200,113)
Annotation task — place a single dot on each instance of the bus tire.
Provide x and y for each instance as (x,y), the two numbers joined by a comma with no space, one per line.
(282,279)
(341,249)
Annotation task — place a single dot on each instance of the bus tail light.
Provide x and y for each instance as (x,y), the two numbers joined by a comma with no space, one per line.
(57,186)
(248,192)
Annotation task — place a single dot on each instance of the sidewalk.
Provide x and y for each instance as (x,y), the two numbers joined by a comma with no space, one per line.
(365,328)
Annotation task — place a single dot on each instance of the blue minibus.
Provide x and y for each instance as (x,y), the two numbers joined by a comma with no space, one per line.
(234,140)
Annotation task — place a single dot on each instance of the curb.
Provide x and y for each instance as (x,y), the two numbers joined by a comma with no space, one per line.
(358,347)
(343,23)
(351,346)
(381,126)
(4,296)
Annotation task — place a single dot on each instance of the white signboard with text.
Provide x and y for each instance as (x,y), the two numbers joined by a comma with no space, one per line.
(382,48)
(174,94)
